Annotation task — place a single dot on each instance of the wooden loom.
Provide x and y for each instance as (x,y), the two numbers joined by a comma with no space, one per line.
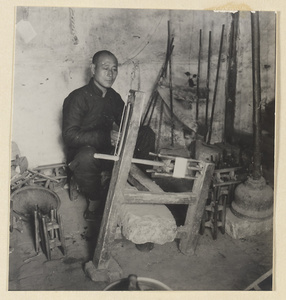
(117,194)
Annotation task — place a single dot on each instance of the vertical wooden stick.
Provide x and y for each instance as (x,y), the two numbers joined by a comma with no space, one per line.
(208,84)
(216,83)
(171,86)
(256,94)
(198,76)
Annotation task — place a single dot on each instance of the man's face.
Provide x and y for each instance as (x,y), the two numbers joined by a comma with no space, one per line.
(105,71)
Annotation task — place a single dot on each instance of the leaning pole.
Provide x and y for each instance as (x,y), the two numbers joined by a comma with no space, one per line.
(251,211)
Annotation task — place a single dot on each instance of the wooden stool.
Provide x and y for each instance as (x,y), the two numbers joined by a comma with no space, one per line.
(49,231)
(222,189)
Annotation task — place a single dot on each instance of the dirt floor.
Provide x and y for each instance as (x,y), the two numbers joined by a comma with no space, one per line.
(222,264)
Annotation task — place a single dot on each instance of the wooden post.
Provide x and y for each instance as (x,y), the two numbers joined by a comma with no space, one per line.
(171,47)
(117,185)
(216,83)
(208,84)
(256,95)
(198,76)
(231,81)
(195,211)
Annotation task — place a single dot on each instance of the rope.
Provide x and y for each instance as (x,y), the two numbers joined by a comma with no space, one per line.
(72,25)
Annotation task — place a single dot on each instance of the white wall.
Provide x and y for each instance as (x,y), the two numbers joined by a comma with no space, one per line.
(50,66)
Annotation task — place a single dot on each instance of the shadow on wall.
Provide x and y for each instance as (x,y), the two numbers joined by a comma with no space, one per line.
(87,75)
(60,139)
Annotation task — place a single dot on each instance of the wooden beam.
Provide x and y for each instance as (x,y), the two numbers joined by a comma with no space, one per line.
(231,78)
(195,211)
(141,181)
(146,197)
(256,82)
(119,177)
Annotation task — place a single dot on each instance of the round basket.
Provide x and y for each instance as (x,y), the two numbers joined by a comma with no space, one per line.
(145,284)
(25,200)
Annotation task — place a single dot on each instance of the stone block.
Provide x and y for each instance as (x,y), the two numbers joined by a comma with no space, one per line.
(143,223)
(239,228)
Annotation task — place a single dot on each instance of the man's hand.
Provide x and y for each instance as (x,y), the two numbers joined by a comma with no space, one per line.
(115,137)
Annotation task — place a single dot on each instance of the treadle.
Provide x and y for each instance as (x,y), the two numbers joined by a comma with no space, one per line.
(261,283)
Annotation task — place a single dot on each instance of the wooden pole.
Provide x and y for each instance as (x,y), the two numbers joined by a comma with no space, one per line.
(256,95)
(198,76)
(230,93)
(160,126)
(208,84)
(118,180)
(216,83)
(171,85)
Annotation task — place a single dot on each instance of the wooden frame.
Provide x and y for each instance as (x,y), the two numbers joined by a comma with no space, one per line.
(117,194)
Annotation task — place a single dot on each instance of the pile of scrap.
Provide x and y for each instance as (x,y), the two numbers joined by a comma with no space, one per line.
(48,176)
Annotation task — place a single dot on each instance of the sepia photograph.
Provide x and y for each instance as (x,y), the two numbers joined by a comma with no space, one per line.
(142,150)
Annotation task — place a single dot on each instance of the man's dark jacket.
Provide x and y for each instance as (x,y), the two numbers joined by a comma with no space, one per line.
(88,118)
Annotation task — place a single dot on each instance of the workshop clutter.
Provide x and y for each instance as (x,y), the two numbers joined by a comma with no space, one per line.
(48,176)
(33,200)
(38,206)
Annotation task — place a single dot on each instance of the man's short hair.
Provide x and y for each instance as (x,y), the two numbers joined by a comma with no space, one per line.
(97,55)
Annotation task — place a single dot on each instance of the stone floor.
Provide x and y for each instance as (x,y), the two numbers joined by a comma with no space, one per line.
(218,265)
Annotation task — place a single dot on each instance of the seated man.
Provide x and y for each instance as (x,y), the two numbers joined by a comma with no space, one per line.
(88,117)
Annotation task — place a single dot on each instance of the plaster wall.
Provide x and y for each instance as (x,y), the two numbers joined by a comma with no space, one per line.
(52,65)
(244,94)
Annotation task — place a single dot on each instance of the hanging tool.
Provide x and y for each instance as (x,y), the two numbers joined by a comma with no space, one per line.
(198,76)
(208,84)
(215,89)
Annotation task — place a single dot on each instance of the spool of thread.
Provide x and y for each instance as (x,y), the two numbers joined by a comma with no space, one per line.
(180,167)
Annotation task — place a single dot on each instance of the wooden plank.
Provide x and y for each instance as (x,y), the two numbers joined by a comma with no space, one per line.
(141,181)
(146,197)
(134,160)
(255,284)
(118,181)
(52,166)
(160,175)
(173,157)
(195,211)
(225,183)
